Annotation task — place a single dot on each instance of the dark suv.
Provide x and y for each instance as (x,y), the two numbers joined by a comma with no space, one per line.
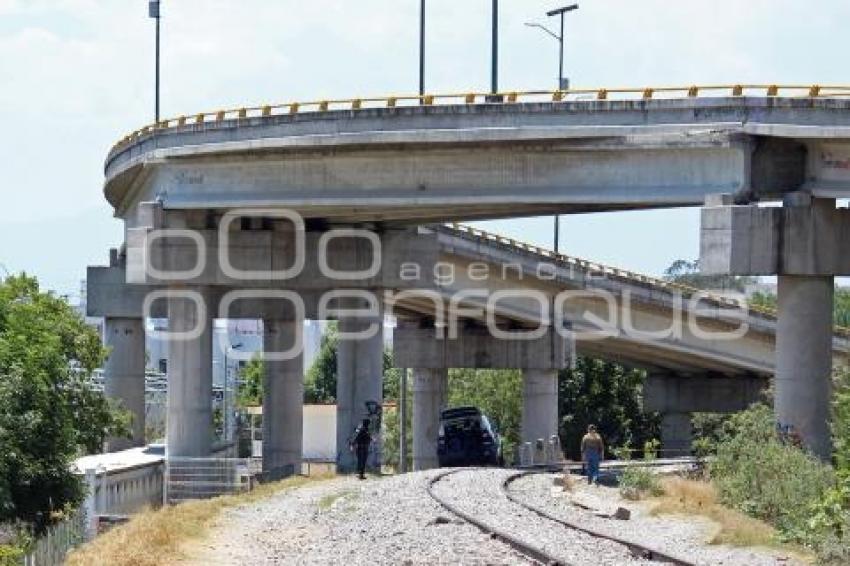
(468,439)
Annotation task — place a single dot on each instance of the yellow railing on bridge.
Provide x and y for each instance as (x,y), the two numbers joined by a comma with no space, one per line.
(511,97)
(603,269)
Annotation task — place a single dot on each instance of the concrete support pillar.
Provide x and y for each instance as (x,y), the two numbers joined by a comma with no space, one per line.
(430,395)
(124,374)
(539,404)
(676,434)
(804,359)
(283,400)
(189,426)
(359,384)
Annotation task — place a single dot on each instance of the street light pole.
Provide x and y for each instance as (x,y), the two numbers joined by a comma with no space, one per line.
(561,55)
(562,83)
(225,413)
(422,48)
(154,12)
(494,82)
(561,12)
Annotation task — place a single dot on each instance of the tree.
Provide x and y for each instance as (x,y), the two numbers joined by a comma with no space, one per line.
(688,273)
(251,384)
(498,393)
(48,412)
(841,422)
(320,382)
(607,395)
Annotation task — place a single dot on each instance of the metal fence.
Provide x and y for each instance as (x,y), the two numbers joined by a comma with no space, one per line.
(126,490)
(51,549)
(541,452)
(203,478)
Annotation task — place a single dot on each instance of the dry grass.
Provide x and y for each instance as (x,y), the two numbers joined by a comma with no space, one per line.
(154,538)
(690,497)
(568,482)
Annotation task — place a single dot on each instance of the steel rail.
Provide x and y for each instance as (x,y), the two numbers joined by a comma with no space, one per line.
(529,551)
(511,97)
(637,549)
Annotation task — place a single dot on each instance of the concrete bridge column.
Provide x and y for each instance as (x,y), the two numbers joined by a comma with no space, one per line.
(124,374)
(804,359)
(676,434)
(539,404)
(189,425)
(283,400)
(360,368)
(430,396)
(803,243)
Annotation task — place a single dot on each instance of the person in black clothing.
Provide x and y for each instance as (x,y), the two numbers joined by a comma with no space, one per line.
(360,443)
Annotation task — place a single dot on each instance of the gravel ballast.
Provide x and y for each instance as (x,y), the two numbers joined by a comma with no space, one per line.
(393,520)
(684,537)
(479,493)
(389,520)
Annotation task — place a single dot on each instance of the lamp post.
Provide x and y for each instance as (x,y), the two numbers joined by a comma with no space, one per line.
(494,79)
(561,12)
(154,12)
(224,410)
(563,83)
(421,47)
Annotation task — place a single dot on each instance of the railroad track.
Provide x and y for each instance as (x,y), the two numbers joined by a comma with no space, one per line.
(637,549)
(533,552)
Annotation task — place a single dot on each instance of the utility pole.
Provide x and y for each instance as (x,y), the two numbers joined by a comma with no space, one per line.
(402,422)
(421,47)
(494,82)
(154,12)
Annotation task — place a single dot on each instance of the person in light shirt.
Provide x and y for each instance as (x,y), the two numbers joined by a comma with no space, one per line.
(592,452)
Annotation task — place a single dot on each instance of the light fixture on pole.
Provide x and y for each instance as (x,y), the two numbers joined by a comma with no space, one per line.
(563,83)
(154,12)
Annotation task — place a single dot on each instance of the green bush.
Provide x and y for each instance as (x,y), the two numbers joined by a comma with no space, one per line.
(10,555)
(637,483)
(755,472)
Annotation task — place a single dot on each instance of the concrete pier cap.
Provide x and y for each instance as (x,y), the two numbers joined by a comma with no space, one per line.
(802,243)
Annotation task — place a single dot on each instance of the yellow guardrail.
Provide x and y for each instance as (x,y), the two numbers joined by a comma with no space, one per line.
(622,273)
(513,97)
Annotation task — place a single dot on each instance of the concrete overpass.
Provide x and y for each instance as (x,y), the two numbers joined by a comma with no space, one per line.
(379,160)
(234,201)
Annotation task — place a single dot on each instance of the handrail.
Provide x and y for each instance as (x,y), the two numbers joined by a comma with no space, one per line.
(624,273)
(511,97)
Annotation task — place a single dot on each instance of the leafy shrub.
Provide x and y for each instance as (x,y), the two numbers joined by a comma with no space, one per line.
(755,472)
(650,449)
(637,482)
(10,555)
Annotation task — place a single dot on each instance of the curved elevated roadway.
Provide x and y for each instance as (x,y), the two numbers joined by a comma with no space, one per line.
(460,157)
(618,315)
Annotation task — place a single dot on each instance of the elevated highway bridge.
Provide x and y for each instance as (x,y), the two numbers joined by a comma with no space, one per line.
(458,158)
(223,202)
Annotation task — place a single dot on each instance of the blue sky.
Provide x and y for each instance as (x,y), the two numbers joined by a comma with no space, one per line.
(76,75)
